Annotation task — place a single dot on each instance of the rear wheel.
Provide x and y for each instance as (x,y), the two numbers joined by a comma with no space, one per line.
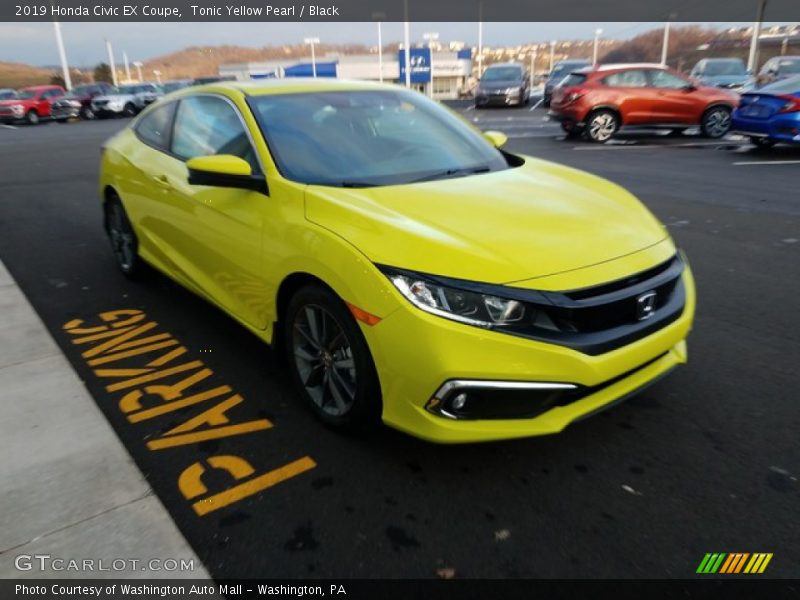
(129,110)
(716,122)
(601,126)
(762,142)
(330,361)
(123,239)
(32,118)
(87,114)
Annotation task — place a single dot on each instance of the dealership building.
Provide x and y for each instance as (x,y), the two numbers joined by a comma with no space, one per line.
(444,74)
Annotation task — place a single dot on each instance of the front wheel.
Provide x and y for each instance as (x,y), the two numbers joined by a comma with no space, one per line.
(330,361)
(129,110)
(716,122)
(32,118)
(87,114)
(762,142)
(601,126)
(123,239)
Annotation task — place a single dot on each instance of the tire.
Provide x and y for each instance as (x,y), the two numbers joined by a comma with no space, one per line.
(762,142)
(601,125)
(87,114)
(716,122)
(32,117)
(571,130)
(129,110)
(124,243)
(330,362)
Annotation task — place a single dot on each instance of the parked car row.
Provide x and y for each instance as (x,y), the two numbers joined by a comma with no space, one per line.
(88,101)
(597,102)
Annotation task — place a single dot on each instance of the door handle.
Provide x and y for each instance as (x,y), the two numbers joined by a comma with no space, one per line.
(162,180)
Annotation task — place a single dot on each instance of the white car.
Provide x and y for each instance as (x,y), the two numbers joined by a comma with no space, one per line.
(129,100)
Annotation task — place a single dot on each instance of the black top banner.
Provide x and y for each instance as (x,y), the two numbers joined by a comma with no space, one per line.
(399,10)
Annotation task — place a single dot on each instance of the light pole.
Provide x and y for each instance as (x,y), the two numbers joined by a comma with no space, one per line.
(752,60)
(127,66)
(597,33)
(533,65)
(110,54)
(139,64)
(379,17)
(480,39)
(552,54)
(312,41)
(157,73)
(62,55)
(665,44)
(407,45)
(430,37)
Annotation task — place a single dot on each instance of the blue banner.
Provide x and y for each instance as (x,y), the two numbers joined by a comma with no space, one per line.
(420,65)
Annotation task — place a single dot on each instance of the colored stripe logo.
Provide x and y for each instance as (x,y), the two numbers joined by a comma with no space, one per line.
(734,563)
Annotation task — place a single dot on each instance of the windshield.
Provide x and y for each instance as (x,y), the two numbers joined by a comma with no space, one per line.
(563,68)
(367,138)
(171,86)
(80,90)
(789,66)
(502,74)
(26,94)
(724,67)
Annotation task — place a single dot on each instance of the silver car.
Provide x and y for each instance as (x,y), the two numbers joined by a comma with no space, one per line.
(128,100)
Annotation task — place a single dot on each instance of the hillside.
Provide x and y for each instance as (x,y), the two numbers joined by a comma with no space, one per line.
(205,60)
(16,75)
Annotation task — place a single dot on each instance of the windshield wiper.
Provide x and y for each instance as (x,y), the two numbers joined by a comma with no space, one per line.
(453,173)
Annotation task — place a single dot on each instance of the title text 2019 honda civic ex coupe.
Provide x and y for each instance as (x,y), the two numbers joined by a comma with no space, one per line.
(411,270)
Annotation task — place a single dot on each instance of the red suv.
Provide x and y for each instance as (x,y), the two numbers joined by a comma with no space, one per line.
(597,101)
(32,104)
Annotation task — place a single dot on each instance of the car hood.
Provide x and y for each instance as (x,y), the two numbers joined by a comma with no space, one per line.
(115,97)
(500,85)
(15,101)
(503,227)
(726,79)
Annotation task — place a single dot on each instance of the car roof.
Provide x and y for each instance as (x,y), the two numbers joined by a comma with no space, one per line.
(33,88)
(505,64)
(729,59)
(291,85)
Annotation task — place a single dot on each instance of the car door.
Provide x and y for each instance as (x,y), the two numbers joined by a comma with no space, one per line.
(45,100)
(674,98)
(628,91)
(221,229)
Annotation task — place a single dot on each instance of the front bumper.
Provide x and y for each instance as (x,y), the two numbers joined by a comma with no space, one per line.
(497,99)
(417,353)
(65,112)
(107,109)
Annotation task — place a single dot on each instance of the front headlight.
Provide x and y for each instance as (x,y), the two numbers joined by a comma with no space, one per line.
(17,108)
(467,306)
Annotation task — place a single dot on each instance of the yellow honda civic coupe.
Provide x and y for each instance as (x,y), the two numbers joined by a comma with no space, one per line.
(411,270)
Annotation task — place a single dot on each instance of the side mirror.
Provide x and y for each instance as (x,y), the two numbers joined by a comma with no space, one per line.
(689,87)
(225,170)
(497,139)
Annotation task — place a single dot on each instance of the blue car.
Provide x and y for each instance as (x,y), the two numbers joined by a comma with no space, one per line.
(771,114)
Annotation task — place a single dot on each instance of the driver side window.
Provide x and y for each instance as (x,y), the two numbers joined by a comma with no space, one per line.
(207,125)
(665,79)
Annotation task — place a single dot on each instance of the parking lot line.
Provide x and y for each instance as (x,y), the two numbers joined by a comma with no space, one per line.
(536,105)
(766,162)
(7,126)
(619,147)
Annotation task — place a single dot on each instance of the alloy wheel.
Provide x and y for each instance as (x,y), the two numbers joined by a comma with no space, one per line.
(717,123)
(123,241)
(602,127)
(324,359)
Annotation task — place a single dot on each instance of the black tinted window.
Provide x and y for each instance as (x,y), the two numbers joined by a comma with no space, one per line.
(154,127)
(633,78)
(573,79)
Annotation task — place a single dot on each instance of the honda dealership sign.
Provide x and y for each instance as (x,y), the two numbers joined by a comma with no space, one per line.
(420,59)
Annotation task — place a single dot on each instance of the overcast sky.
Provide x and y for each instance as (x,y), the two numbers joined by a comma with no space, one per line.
(34,42)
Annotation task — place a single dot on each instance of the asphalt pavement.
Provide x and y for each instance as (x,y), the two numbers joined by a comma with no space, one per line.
(707,460)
